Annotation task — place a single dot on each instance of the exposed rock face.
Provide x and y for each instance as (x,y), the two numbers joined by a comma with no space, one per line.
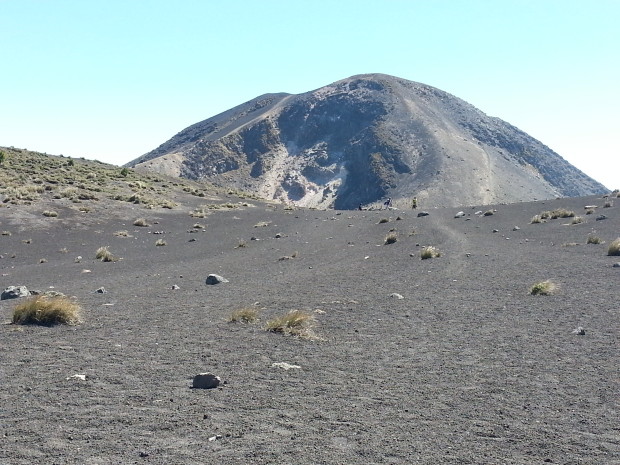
(365,138)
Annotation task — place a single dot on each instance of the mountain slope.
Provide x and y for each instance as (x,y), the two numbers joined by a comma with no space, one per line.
(364,138)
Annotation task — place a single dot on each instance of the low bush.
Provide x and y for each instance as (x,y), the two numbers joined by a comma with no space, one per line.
(47,311)
(244,315)
(391,238)
(544,288)
(141,222)
(294,323)
(594,239)
(105,255)
(614,247)
(429,252)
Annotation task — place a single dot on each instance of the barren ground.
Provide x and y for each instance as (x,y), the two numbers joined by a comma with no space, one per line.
(467,368)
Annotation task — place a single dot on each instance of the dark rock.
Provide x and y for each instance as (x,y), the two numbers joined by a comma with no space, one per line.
(216,279)
(601,217)
(206,381)
(423,214)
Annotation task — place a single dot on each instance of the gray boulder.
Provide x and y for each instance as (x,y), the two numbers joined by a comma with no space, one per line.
(206,381)
(216,279)
(14,292)
(422,214)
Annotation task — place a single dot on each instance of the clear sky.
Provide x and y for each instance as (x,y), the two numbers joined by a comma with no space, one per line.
(113,79)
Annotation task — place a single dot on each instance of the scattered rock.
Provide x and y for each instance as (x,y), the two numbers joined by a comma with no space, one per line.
(601,217)
(206,381)
(496,230)
(175,287)
(216,279)
(144,454)
(217,436)
(616,265)
(394,295)
(580,331)
(53,294)
(516,228)
(78,259)
(101,290)
(284,365)
(460,214)
(14,292)
(80,377)
(423,214)
(278,235)
(193,239)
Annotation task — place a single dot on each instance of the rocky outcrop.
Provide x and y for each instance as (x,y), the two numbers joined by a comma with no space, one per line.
(365,138)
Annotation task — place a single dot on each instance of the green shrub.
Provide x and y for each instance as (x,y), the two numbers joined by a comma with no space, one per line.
(544,288)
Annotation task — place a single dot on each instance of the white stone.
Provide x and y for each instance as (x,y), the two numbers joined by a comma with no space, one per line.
(284,365)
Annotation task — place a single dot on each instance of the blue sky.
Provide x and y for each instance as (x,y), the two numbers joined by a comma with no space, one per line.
(111,80)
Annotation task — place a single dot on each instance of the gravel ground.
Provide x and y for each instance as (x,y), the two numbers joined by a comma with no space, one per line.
(466,368)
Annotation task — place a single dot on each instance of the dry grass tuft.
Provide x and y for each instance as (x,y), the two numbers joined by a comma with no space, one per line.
(391,238)
(47,311)
(294,323)
(244,315)
(594,239)
(429,252)
(614,247)
(577,220)
(160,242)
(383,220)
(141,222)
(544,288)
(105,255)
(50,213)
(123,233)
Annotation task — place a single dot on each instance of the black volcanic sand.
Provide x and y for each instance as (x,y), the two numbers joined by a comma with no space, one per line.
(467,368)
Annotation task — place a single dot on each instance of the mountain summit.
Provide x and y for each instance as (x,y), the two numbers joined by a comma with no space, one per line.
(365,138)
